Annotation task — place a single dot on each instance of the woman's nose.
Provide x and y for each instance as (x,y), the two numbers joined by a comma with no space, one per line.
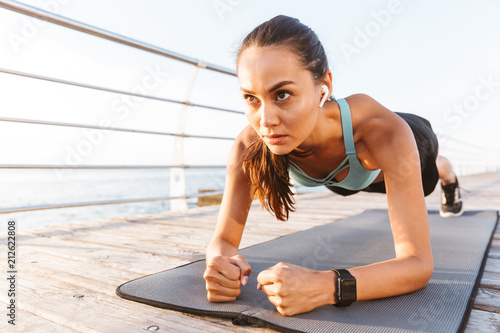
(268,117)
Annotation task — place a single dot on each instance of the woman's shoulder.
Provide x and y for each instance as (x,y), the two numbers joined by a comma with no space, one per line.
(373,123)
(244,140)
(246,137)
(368,114)
(364,103)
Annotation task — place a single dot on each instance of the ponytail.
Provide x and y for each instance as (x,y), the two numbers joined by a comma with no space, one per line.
(269,178)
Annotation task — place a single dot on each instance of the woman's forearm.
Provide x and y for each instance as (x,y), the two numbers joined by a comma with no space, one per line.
(392,277)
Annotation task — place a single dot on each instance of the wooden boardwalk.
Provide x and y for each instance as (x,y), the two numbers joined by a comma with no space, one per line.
(67,275)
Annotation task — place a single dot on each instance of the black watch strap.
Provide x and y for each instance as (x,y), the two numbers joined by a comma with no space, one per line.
(346,288)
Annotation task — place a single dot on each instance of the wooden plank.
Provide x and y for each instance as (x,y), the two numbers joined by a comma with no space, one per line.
(490,280)
(103,256)
(495,249)
(130,233)
(28,322)
(162,248)
(483,322)
(487,300)
(492,265)
(77,272)
(130,242)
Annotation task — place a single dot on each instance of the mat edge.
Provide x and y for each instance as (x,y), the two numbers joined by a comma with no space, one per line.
(475,288)
(178,308)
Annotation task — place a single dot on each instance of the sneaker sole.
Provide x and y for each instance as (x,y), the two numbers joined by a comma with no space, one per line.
(450,214)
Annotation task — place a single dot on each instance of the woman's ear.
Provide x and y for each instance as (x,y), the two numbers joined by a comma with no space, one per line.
(328,81)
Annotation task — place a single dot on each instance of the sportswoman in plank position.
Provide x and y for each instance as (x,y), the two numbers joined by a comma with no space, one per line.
(349,145)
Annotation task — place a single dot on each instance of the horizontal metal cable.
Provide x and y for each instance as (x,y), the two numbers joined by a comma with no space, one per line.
(116,91)
(52,123)
(469,145)
(101,33)
(46,166)
(464,149)
(460,151)
(96,203)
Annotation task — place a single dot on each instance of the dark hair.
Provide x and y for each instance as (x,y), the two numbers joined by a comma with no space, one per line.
(269,172)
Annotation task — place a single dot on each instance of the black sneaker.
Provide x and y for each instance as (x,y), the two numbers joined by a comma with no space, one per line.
(451,202)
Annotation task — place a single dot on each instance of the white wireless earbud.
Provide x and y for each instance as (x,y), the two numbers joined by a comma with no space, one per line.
(326,94)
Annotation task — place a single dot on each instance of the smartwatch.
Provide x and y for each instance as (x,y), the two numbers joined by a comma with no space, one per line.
(346,288)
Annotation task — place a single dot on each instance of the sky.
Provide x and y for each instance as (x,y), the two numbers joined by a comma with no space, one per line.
(437,59)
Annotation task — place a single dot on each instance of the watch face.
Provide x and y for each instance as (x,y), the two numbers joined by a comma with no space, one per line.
(347,289)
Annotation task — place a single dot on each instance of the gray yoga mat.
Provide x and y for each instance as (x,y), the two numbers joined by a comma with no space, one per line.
(459,245)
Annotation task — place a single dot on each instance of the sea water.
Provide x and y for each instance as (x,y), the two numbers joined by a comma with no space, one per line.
(26,187)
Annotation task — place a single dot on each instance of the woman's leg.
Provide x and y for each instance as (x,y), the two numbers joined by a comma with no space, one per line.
(445,170)
(451,202)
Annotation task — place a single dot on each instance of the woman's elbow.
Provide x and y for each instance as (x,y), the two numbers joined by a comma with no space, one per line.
(426,270)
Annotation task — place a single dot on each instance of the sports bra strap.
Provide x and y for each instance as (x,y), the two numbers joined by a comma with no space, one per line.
(345,115)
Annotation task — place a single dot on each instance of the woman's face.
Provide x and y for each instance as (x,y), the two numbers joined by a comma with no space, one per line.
(281,98)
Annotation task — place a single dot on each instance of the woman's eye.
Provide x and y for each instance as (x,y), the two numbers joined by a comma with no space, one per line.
(250,99)
(282,95)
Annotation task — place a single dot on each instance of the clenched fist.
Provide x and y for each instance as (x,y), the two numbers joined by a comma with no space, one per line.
(224,277)
(294,289)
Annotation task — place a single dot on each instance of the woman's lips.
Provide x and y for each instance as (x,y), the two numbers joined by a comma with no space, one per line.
(274,139)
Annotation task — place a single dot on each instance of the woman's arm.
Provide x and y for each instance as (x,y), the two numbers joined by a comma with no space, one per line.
(226,270)
(390,145)
(235,202)
(385,141)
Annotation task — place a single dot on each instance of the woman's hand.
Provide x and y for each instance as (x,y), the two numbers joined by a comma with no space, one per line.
(294,289)
(224,277)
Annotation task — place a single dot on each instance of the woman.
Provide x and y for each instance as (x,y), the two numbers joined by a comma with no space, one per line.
(285,81)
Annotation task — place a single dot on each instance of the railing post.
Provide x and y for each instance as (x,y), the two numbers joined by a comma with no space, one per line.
(177,175)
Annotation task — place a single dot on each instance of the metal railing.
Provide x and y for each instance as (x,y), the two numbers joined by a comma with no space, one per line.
(43,122)
(177,188)
(96,203)
(468,158)
(101,33)
(122,92)
(46,166)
